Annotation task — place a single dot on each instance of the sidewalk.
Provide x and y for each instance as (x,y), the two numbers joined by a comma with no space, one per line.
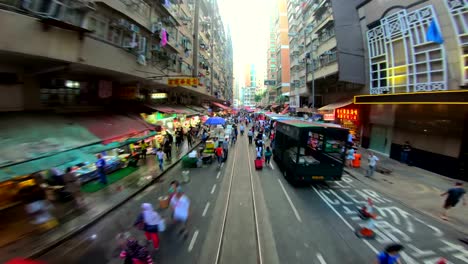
(414,187)
(98,205)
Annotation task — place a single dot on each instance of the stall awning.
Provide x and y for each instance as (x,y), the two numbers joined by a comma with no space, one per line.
(62,160)
(285,110)
(197,108)
(334,106)
(164,109)
(184,110)
(27,136)
(221,106)
(113,127)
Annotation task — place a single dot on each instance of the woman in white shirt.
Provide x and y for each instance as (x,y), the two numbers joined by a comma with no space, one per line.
(148,221)
(180,206)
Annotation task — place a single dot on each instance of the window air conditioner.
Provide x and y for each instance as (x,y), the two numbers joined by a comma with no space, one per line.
(134,28)
(130,44)
(156,27)
(123,23)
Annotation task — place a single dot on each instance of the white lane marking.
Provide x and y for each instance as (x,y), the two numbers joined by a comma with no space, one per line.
(342,218)
(217,176)
(290,202)
(321,259)
(206,208)
(192,242)
(222,164)
(271,165)
(213,189)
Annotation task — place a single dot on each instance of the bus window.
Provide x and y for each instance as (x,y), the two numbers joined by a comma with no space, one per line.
(334,147)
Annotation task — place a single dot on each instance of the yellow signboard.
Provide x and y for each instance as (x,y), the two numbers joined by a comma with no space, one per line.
(158,95)
(185,81)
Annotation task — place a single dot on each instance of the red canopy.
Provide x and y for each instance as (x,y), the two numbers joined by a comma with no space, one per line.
(285,110)
(221,106)
(112,127)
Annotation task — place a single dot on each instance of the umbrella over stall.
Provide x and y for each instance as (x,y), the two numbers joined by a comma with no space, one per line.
(215,121)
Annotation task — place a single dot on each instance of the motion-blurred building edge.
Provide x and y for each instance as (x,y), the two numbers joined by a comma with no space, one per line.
(77,53)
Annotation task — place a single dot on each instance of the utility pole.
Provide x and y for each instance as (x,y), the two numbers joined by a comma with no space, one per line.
(196,42)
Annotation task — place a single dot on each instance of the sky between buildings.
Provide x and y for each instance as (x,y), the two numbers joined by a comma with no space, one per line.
(249,24)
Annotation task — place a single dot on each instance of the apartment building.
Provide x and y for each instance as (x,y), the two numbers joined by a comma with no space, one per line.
(325,51)
(282,49)
(271,64)
(416,75)
(80,52)
(251,86)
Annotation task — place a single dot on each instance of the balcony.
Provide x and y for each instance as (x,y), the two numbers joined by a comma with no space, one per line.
(67,15)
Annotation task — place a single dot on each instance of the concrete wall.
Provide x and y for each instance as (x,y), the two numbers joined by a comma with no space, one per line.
(24,34)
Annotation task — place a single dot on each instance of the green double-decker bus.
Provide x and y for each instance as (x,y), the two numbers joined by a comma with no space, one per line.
(309,152)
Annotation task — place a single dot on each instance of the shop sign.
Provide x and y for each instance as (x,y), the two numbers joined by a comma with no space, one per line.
(158,95)
(182,82)
(329,117)
(348,114)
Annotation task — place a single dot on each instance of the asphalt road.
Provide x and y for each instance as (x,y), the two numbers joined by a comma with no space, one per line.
(277,223)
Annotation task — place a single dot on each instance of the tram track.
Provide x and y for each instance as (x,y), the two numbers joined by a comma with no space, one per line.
(258,251)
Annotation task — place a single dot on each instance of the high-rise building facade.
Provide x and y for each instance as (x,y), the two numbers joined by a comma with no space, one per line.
(282,49)
(325,51)
(126,48)
(250,86)
(271,63)
(416,75)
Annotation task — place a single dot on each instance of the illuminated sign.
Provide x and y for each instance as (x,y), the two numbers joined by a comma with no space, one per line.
(158,95)
(329,117)
(186,81)
(348,114)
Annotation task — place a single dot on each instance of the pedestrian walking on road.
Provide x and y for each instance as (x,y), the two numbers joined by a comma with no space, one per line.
(189,139)
(350,157)
(250,136)
(372,164)
(405,153)
(219,154)
(73,186)
(180,206)
(100,165)
(148,221)
(135,253)
(225,148)
(168,148)
(453,197)
(143,150)
(173,188)
(160,155)
(390,255)
(268,155)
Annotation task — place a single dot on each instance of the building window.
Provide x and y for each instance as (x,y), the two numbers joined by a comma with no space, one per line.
(400,57)
(98,25)
(114,35)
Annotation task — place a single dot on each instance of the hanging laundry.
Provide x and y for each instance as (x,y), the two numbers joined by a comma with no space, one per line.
(163,36)
(187,53)
(166,3)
